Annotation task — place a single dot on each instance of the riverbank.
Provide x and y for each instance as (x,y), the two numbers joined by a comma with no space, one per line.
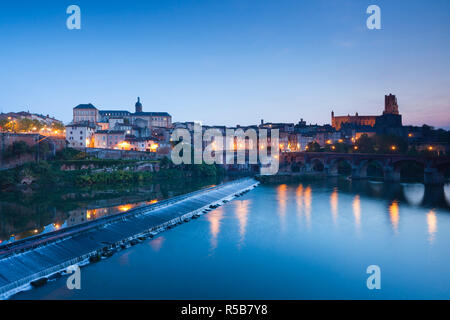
(95,172)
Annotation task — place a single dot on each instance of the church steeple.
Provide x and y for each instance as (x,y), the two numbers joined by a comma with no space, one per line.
(138,105)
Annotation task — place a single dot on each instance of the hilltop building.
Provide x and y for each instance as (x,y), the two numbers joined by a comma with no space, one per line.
(88,112)
(111,129)
(390,117)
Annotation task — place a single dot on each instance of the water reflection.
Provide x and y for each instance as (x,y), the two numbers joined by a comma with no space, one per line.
(420,247)
(299,202)
(241,211)
(414,193)
(282,200)
(432,226)
(308,202)
(447,193)
(214,218)
(334,204)
(357,211)
(157,243)
(22,216)
(394,215)
(78,216)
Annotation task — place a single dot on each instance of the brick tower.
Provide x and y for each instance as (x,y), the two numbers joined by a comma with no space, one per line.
(390,104)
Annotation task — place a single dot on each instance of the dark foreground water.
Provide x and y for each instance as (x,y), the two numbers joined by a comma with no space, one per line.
(298,241)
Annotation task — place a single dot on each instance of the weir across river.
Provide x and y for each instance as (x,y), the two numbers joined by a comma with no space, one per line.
(41,256)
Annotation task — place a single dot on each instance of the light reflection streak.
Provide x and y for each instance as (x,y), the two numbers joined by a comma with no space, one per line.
(241,212)
(157,243)
(432,226)
(334,200)
(357,211)
(282,200)
(394,215)
(299,201)
(214,218)
(308,201)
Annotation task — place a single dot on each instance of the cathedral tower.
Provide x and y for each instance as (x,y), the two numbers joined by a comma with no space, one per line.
(138,105)
(390,104)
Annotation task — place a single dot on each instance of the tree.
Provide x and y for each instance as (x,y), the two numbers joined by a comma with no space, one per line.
(313,147)
(3,124)
(390,144)
(365,144)
(165,162)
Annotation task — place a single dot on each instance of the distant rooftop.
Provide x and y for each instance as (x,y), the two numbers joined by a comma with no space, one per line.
(82,124)
(156,114)
(85,106)
(110,131)
(114,111)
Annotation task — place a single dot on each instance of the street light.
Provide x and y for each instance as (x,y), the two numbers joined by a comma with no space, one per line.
(393,148)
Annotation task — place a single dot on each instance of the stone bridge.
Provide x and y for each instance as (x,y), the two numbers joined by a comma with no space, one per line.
(391,164)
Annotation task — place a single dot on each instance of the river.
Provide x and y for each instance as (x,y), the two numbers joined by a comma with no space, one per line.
(309,240)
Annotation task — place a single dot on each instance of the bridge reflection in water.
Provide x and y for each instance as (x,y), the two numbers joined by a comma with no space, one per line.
(396,196)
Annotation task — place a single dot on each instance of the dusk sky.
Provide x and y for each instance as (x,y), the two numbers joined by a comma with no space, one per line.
(228,62)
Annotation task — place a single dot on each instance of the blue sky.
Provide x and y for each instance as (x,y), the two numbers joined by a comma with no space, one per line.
(228,62)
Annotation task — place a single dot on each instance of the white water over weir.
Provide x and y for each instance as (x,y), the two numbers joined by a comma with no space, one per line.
(41,256)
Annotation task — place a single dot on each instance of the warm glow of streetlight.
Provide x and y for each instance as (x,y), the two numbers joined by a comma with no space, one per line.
(355,147)
(430,148)
(124,145)
(124,208)
(393,148)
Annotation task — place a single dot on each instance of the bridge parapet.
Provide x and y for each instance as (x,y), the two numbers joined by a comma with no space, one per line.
(327,163)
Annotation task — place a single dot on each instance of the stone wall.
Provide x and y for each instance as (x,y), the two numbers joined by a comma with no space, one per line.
(8,139)
(121,154)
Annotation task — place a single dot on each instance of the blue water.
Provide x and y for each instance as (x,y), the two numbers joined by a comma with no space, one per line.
(311,240)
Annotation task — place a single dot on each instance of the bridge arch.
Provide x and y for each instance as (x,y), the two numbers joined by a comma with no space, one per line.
(409,169)
(444,168)
(298,166)
(370,168)
(340,165)
(317,165)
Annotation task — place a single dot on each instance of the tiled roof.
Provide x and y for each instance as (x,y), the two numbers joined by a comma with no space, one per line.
(85,106)
(150,114)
